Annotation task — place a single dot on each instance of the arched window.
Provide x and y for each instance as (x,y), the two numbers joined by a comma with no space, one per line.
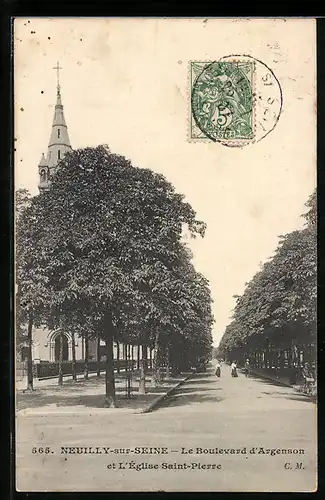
(65,353)
(58,133)
(43,175)
(59,154)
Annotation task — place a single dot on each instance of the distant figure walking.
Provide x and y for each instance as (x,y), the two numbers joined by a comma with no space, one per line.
(247,368)
(234,369)
(218,369)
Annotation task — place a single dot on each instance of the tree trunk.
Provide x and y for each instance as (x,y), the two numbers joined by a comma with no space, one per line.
(117,357)
(145,356)
(150,357)
(109,374)
(108,331)
(125,356)
(132,357)
(128,351)
(155,368)
(167,362)
(142,383)
(60,379)
(138,356)
(73,350)
(30,383)
(86,368)
(98,357)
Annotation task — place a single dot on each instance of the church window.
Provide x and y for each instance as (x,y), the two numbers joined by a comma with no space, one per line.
(59,154)
(58,132)
(43,175)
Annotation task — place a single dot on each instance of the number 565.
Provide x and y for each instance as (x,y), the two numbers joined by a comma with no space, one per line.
(41,450)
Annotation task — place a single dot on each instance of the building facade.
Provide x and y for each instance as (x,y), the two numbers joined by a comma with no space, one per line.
(46,343)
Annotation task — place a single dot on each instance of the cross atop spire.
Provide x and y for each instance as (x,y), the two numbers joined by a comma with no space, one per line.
(57,67)
(59,143)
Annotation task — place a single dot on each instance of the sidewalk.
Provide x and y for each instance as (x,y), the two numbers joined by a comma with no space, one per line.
(88,396)
(278,379)
(21,383)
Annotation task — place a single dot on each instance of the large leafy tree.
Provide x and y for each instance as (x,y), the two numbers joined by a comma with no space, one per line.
(177,317)
(22,200)
(107,234)
(32,290)
(278,306)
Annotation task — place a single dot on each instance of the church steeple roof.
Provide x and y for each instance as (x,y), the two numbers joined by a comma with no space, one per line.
(59,140)
(43,162)
(59,143)
(59,133)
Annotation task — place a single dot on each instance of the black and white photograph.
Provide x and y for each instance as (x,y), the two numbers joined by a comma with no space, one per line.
(165,254)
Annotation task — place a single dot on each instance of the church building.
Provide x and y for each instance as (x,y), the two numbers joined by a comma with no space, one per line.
(46,344)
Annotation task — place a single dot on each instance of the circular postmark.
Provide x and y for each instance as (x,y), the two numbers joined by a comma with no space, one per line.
(236,100)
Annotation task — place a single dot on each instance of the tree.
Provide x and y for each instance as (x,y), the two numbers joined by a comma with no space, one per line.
(73,352)
(22,200)
(98,357)
(311,214)
(278,307)
(30,279)
(60,378)
(107,228)
(86,367)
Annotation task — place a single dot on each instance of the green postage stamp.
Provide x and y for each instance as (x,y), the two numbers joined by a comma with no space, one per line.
(221,100)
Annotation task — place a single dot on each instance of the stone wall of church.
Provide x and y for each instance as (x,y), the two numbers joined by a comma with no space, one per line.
(46,347)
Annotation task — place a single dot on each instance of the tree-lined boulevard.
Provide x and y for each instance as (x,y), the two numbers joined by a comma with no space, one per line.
(101,255)
(274,321)
(206,415)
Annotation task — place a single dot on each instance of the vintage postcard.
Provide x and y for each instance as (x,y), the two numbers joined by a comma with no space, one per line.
(165,255)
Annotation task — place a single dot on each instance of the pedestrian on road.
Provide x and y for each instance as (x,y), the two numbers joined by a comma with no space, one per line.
(247,368)
(234,369)
(218,369)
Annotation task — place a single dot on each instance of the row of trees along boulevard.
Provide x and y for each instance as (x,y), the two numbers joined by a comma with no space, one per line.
(274,321)
(101,254)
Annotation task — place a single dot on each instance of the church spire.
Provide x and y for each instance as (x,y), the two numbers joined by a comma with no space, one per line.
(59,143)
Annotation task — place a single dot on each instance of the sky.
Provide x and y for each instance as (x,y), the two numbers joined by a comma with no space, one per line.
(124,82)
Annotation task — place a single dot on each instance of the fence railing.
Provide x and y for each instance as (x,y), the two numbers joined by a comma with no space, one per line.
(21,369)
(47,369)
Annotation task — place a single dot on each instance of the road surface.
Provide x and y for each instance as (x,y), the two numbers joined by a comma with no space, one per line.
(227,434)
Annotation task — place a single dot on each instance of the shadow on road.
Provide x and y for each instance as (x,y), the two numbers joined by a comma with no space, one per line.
(182,399)
(267,381)
(202,388)
(187,390)
(289,394)
(203,380)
